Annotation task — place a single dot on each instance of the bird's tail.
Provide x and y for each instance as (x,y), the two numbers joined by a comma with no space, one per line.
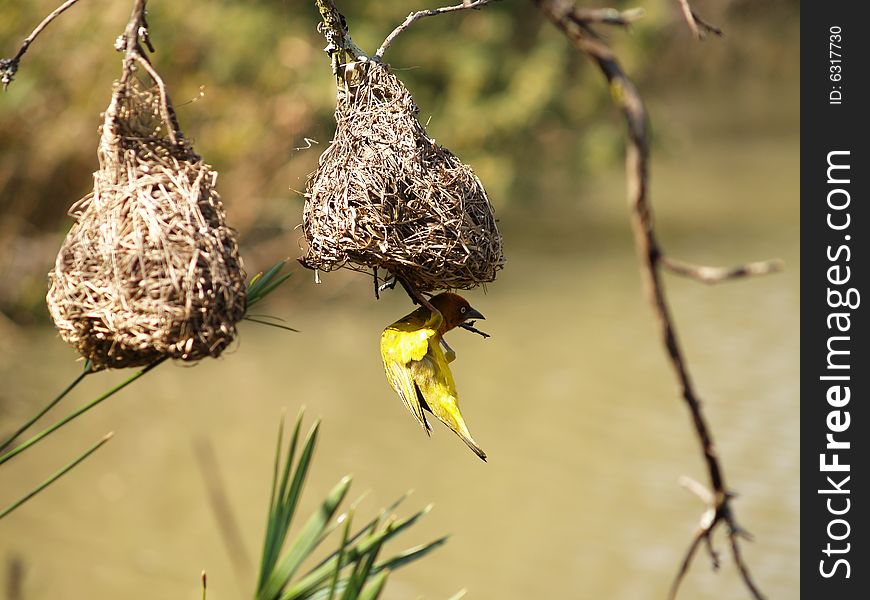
(461,430)
(469,441)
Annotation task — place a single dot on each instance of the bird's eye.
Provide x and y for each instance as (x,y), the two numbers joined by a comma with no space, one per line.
(462,310)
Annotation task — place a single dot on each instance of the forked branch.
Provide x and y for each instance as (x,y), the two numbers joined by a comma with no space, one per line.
(9,66)
(416,16)
(569,19)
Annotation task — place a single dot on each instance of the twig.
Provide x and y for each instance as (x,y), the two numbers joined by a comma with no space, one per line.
(711,275)
(415,16)
(697,25)
(564,15)
(9,66)
(470,327)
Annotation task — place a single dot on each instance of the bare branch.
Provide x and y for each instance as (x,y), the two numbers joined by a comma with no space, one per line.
(697,25)
(339,45)
(733,534)
(9,66)
(564,14)
(711,275)
(415,16)
(687,561)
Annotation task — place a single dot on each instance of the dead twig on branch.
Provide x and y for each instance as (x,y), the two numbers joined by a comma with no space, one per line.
(415,16)
(697,25)
(565,16)
(9,66)
(711,275)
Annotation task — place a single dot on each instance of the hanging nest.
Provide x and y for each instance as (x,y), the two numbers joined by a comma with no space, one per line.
(149,269)
(386,195)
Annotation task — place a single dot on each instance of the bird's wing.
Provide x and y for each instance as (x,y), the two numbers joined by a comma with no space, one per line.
(435,381)
(401,380)
(403,343)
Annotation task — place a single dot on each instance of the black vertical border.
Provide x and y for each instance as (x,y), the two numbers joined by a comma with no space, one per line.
(829,127)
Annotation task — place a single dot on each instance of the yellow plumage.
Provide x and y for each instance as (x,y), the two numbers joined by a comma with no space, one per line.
(418,368)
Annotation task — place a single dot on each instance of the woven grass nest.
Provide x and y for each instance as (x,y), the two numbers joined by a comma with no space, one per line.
(149,269)
(386,195)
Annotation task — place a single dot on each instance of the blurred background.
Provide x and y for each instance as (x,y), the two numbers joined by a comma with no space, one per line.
(571,398)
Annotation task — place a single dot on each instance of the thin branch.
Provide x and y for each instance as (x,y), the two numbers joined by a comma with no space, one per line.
(416,16)
(711,275)
(741,564)
(698,26)
(686,563)
(9,66)
(564,15)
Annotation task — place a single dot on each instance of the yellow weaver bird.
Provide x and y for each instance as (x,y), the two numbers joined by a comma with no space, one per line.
(418,368)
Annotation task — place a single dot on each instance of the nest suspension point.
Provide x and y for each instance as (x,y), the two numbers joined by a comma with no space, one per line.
(149,269)
(386,195)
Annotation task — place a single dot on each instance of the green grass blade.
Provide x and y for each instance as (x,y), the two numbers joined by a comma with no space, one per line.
(410,555)
(271,287)
(87,371)
(46,432)
(307,540)
(265,564)
(361,572)
(280,515)
(367,527)
(263,284)
(322,593)
(271,324)
(287,497)
(373,590)
(263,278)
(348,518)
(319,575)
(290,497)
(60,473)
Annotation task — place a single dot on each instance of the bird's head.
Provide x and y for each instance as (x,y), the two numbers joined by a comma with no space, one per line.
(455,309)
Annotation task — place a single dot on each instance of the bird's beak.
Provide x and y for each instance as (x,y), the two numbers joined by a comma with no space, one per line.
(473,314)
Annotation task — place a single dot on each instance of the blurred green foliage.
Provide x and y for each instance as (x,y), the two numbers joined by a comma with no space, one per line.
(500,87)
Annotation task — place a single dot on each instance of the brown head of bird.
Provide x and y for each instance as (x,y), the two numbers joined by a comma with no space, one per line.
(455,309)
